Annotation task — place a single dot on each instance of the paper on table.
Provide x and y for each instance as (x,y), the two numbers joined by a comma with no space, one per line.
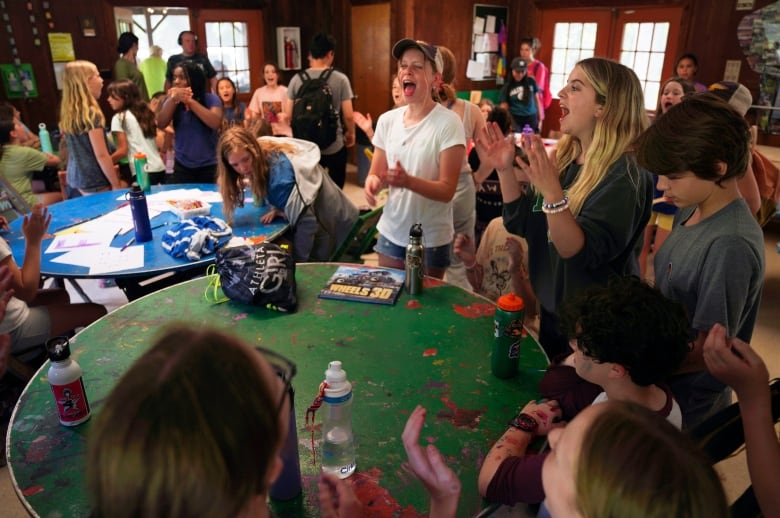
(67,242)
(113,259)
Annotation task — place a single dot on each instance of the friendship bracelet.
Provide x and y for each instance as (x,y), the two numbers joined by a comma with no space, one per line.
(557,204)
(556,210)
(472,266)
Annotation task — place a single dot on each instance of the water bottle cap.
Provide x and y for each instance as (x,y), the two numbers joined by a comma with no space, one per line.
(510,302)
(58,348)
(336,378)
(42,126)
(139,156)
(527,129)
(135,187)
(416,230)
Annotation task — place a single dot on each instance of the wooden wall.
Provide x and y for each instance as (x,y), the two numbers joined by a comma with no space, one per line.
(708,31)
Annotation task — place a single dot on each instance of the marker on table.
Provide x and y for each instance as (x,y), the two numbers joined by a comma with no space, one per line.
(132,239)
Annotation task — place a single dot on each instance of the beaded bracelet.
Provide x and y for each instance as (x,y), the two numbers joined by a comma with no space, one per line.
(556,210)
(557,204)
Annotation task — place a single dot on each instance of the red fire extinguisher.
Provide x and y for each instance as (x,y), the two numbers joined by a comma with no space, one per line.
(289,53)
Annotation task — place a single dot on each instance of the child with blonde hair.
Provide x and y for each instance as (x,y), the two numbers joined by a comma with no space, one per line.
(82,123)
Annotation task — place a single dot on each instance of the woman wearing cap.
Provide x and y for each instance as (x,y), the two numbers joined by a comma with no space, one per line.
(522,97)
(418,153)
(125,67)
(589,206)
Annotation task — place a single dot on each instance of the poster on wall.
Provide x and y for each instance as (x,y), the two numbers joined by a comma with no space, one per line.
(61,46)
(488,44)
(19,81)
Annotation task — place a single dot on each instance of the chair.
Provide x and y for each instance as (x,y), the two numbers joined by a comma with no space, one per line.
(722,434)
(359,238)
(18,204)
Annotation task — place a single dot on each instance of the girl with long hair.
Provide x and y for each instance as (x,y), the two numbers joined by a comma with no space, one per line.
(235,110)
(588,205)
(267,102)
(134,128)
(286,172)
(197,117)
(82,123)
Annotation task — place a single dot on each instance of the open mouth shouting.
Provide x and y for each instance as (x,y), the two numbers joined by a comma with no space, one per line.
(564,112)
(409,88)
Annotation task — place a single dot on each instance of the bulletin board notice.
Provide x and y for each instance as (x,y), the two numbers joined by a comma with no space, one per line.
(61,46)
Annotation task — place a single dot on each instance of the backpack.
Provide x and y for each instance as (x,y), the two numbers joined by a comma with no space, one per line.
(543,88)
(768,179)
(313,116)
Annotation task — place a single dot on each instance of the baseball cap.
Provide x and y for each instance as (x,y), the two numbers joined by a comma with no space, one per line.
(431,52)
(736,94)
(519,64)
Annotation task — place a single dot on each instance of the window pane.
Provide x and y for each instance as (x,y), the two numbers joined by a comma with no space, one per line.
(629,36)
(660,35)
(560,39)
(645,36)
(240,34)
(226,34)
(640,65)
(655,66)
(212,33)
(589,36)
(652,90)
(558,65)
(575,35)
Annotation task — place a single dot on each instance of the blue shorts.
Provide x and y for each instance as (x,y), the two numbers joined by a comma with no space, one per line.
(436,257)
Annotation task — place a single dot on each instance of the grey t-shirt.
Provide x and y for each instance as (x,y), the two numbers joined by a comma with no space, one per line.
(715,268)
(341,90)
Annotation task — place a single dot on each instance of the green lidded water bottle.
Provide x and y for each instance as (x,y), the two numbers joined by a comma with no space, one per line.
(508,333)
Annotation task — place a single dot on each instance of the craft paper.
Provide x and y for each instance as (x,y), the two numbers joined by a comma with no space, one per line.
(490,23)
(479,25)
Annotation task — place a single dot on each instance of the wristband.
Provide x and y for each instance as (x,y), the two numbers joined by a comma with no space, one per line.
(556,210)
(524,422)
(472,265)
(557,204)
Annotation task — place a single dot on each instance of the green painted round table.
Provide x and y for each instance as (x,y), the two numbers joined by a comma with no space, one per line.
(432,349)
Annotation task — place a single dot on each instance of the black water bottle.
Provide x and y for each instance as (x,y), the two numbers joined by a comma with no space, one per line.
(141,223)
(415,260)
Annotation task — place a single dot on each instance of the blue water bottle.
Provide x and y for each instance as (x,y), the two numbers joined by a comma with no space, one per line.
(140,212)
(43,134)
(288,484)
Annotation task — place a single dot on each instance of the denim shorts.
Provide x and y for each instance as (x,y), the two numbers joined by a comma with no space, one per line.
(436,257)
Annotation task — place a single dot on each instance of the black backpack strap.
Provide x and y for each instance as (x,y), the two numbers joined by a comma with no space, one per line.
(304,79)
(325,75)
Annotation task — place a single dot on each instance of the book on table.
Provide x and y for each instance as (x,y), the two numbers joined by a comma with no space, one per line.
(364,284)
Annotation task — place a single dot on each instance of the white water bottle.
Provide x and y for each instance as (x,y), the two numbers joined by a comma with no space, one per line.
(66,383)
(338,444)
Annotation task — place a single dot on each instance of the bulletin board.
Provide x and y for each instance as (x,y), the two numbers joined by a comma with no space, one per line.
(488,43)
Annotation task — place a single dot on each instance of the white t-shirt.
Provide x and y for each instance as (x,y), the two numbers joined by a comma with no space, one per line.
(136,141)
(674,416)
(268,103)
(417,148)
(17,311)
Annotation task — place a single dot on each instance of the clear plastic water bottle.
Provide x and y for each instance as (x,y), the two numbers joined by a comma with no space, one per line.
(45,138)
(338,444)
(415,260)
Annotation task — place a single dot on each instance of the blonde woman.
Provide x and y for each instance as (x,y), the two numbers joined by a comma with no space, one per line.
(82,122)
(588,206)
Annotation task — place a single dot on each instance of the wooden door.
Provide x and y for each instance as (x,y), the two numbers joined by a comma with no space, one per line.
(371,58)
(246,53)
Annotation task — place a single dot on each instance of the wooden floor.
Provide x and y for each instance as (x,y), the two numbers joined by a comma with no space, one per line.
(765,340)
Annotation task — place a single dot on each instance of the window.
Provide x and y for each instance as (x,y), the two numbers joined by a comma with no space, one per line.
(638,38)
(572,42)
(642,49)
(228,50)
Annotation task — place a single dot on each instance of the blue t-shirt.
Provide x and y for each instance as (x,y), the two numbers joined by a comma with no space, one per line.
(235,119)
(281,180)
(196,143)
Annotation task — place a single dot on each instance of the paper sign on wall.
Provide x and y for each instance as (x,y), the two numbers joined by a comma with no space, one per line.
(61,45)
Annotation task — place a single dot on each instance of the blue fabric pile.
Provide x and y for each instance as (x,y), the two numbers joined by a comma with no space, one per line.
(195,237)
